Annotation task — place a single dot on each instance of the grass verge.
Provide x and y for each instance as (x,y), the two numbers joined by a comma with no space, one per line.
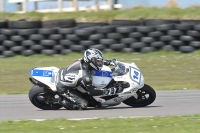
(161,70)
(170,124)
(107,16)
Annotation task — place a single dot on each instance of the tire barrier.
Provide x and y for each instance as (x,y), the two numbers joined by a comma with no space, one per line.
(183,37)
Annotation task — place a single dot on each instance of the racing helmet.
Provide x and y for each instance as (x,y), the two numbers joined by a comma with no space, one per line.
(94,58)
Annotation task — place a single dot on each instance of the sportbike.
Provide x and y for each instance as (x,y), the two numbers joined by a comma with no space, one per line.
(127,78)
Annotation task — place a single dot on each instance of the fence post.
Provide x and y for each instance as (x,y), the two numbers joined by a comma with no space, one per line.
(2,8)
(60,5)
(25,9)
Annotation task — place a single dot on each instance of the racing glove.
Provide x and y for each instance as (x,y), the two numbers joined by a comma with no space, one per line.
(110,91)
(109,62)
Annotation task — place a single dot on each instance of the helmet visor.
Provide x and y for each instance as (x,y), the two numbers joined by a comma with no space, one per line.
(98,62)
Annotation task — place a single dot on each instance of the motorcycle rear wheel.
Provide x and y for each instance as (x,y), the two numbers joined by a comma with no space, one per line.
(42,98)
(146,96)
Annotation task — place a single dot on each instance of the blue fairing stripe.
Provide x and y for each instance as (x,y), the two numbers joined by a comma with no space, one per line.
(41,73)
(102,74)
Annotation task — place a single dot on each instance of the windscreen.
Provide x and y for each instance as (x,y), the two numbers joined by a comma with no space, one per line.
(120,69)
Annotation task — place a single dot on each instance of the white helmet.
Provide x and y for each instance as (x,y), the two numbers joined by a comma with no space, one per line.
(94,58)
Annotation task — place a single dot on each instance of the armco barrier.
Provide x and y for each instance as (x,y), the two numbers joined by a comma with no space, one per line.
(169,37)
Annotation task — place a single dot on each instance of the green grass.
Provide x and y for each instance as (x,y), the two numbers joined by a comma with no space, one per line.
(107,16)
(161,70)
(171,124)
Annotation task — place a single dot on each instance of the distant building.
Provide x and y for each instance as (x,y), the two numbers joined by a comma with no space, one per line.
(8,7)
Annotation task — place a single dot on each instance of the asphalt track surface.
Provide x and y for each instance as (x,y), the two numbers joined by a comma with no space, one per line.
(184,102)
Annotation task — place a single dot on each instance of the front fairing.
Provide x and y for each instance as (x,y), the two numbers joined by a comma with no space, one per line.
(131,74)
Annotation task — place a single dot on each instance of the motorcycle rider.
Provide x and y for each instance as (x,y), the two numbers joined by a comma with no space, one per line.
(68,79)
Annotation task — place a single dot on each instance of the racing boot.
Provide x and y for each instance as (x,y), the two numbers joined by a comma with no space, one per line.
(68,102)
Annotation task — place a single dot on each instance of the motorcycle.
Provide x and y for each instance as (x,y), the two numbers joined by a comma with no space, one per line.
(127,78)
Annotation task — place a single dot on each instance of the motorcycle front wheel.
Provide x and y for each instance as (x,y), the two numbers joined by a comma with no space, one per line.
(146,96)
(43,98)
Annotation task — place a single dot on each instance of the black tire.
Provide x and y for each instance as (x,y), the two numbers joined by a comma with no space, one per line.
(127,50)
(48,43)
(114,36)
(117,47)
(166,38)
(45,31)
(17,49)
(176,43)
(90,24)
(128,40)
(168,48)
(108,42)
(64,23)
(2,48)
(197,27)
(66,51)
(147,39)
(157,44)
(8,32)
(48,52)
(7,43)
(175,33)
(98,46)
(136,35)
(24,24)
(193,33)
(156,22)
(155,34)
(4,25)
(28,52)
(28,43)
(65,31)
(58,47)
(147,49)
(125,30)
(184,27)
(17,38)
(142,100)
(8,53)
(66,43)
(37,47)
(186,38)
(87,43)
(96,37)
(195,44)
(2,38)
(186,49)
(127,22)
(56,37)
(73,37)
(77,48)
(36,37)
(145,29)
(26,32)
(106,29)
(108,50)
(164,27)
(84,32)
(37,97)
(192,22)
(138,45)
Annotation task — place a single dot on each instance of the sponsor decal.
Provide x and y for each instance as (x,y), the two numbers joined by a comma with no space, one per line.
(41,73)
(102,73)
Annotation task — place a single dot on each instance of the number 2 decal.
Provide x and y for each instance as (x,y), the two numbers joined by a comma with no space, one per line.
(135,75)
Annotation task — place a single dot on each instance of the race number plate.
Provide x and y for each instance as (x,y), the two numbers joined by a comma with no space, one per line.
(135,75)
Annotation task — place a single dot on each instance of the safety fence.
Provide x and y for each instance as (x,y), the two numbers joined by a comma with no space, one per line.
(120,36)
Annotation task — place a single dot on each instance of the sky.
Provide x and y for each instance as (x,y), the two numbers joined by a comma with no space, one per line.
(125,3)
